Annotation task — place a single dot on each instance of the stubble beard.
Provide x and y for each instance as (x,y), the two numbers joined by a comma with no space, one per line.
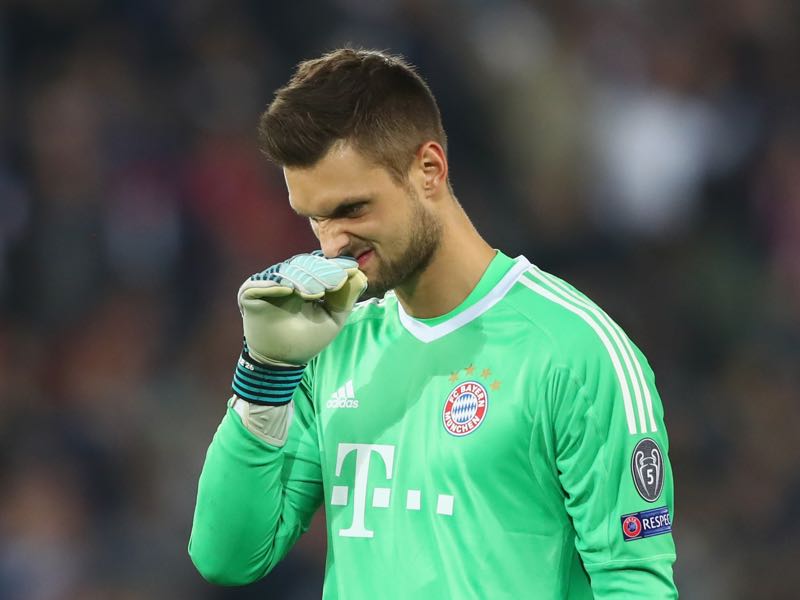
(424,236)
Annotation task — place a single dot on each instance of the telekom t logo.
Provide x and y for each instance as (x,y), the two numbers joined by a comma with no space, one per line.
(380,495)
(339,494)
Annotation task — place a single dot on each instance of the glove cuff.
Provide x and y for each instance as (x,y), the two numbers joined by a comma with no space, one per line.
(265,384)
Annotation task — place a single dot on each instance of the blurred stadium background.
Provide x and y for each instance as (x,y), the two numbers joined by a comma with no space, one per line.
(647,151)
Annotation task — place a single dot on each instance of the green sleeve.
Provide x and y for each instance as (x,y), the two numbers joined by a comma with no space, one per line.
(253,499)
(594,448)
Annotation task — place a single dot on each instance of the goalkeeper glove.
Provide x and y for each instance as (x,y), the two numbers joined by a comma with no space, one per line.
(291,312)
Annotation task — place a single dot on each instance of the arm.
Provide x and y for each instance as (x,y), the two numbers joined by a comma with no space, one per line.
(254,499)
(622,534)
(257,495)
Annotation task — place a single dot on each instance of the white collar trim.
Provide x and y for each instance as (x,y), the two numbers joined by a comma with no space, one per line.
(427,333)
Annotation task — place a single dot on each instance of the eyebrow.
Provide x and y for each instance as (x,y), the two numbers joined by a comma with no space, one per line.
(340,209)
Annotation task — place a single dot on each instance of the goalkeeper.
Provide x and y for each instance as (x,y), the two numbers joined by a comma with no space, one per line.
(478,428)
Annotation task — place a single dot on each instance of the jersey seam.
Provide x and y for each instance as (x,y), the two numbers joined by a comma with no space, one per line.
(591,566)
(349,324)
(531,321)
(582,392)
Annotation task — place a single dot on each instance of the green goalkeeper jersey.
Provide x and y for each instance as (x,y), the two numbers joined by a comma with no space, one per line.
(513,448)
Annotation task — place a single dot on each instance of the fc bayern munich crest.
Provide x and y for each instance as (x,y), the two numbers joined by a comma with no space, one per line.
(465,408)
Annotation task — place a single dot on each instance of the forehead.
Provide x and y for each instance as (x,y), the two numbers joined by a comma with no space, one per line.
(342,174)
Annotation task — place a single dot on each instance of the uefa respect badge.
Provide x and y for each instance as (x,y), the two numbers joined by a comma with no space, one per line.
(646,523)
(465,408)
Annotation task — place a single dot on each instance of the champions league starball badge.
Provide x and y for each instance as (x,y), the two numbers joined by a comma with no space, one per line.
(465,408)
(647,469)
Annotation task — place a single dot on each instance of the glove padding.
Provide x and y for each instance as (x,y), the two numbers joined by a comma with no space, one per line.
(293,310)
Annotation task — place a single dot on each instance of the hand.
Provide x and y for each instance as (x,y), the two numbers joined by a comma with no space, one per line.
(293,310)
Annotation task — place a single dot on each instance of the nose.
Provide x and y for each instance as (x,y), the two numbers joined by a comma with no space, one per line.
(332,238)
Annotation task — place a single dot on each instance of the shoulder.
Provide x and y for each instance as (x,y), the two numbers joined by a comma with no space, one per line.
(578,329)
(590,348)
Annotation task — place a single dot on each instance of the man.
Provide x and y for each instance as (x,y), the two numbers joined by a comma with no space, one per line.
(478,429)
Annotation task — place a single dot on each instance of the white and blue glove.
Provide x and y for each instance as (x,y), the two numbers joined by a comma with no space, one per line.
(291,312)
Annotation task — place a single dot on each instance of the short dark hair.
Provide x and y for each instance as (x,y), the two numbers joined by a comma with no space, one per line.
(373,100)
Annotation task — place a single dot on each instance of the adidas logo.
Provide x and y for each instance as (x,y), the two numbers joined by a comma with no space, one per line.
(344,397)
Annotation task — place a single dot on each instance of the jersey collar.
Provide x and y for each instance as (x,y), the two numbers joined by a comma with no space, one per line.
(498,278)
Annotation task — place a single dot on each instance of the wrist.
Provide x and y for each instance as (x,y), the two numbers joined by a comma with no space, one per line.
(268,422)
(261,359)
(268,383)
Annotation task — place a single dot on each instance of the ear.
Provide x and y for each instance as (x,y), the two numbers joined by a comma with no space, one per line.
(433,162)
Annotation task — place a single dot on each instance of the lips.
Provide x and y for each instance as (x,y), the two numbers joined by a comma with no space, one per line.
(364,257)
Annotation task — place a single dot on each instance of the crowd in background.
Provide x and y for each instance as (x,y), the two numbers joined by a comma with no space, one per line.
(648,152)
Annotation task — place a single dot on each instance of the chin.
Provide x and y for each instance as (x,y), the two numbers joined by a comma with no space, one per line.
(369,294)
(374,289)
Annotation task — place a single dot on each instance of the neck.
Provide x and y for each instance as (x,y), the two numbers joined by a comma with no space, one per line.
(455,269)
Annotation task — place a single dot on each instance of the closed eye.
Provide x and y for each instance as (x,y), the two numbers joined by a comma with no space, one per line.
(348,209)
